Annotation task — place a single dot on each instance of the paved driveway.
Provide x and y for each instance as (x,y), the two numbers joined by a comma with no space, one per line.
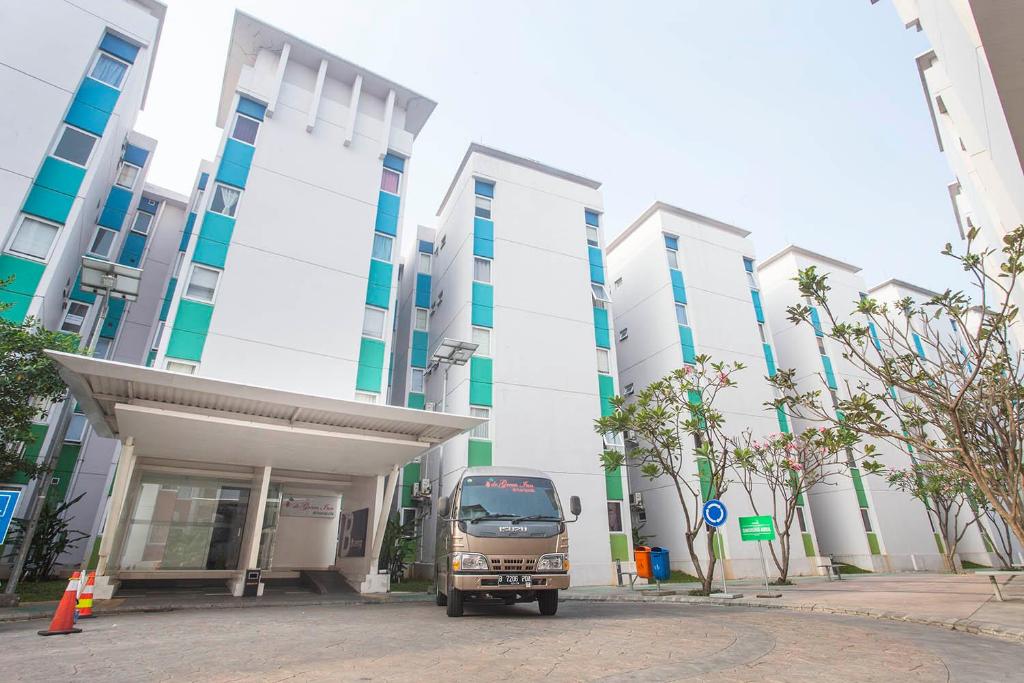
(586,641)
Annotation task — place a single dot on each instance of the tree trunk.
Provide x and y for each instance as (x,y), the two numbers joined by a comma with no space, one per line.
(712,560)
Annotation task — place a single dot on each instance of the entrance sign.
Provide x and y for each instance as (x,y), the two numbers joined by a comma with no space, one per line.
(714,513)
(8,502)
(323,507)
(761,528)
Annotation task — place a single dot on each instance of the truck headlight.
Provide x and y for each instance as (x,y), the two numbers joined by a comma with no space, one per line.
(469,562)
(555,562)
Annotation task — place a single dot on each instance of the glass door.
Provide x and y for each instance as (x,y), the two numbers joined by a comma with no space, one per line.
(268,536)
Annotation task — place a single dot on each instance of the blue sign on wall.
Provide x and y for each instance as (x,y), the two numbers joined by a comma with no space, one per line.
(714,513)
(8,502)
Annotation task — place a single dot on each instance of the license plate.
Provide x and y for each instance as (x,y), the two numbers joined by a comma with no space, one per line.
(515,580)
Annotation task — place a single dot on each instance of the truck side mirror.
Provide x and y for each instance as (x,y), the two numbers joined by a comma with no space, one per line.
(575,506)
(442,506)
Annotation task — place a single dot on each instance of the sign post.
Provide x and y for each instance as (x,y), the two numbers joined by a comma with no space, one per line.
(760,528)
(715,513)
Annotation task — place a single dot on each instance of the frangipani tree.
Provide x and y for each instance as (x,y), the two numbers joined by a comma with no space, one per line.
(681,438)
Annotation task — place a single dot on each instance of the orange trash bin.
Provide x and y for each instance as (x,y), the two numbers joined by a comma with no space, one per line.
(642,557)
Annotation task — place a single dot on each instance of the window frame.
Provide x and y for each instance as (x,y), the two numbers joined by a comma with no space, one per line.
(67,312)
(419,262)
(214,195)
(481,412)
(60,137)
(76,418)
(615,504)
(366,397)
(95,236)
(179,261)
(422,374)
(188,283)
(821,346)
(120,167)
(624,334)
(168,362)
(673,258)
(384,172)
(628,390)
(489,264)
(109,345)
(761,332)
(149,224)
(477,329)
(96,60)
(17,230)
(391,247)
(367,310)
(598,292)
(685,317)
(489,208)
(596,242)
(416,319)
(234,124)
(161,326)
(607,361)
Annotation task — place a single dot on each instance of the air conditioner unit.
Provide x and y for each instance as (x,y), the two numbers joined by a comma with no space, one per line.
(636,500)
(416,490)
(425,487)
(430,406)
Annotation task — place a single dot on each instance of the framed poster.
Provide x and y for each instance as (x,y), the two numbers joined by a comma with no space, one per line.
(353,533)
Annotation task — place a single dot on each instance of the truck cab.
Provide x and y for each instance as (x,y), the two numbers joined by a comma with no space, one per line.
(501,536)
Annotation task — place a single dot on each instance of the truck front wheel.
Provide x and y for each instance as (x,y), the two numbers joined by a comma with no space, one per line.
(454,602)
(547,601)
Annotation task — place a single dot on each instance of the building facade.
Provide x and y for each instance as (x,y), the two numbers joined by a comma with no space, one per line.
(684,285)
(860,519)
(518,269)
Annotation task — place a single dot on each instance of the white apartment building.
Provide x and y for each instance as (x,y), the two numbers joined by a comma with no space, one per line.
(684,285)
(971,79)
(518,269)
(860,519)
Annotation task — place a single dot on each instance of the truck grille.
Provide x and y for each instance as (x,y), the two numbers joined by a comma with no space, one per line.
(512,564)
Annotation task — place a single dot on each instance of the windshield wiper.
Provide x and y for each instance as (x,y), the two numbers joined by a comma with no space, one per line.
(489,515)
(536,518)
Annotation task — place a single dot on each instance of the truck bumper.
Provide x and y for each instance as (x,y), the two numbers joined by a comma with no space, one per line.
(489,583)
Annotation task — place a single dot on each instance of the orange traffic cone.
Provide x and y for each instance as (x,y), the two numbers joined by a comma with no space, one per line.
(63,621)
(85,599)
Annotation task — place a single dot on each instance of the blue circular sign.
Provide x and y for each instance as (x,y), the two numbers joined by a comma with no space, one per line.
(714,513)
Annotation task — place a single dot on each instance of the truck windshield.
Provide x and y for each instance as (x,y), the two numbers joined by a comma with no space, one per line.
(499,497)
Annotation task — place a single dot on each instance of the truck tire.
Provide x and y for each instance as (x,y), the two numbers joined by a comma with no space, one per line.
(440,599)
(454,602)
(547,601)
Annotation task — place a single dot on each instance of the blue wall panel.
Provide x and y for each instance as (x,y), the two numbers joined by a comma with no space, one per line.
(423,290)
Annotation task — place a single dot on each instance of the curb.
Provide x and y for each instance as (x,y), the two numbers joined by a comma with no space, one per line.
(965,625)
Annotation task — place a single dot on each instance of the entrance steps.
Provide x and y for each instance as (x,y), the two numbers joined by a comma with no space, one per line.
(325,582)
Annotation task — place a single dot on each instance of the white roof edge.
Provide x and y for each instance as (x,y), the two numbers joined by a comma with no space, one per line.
(678,211)
(514,159)
(896,282)
(794,249)
(164,193)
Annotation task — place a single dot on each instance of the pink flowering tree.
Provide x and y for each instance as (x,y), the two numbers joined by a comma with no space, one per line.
(677,435)
(788,466)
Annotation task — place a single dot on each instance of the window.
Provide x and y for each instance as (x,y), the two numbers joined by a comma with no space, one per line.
(75,146)
(624,334)
(681,316)
(127,175)
(225,200)
(76,428)
(159,334)
(202,285)
(102,349)
(416,380)
(482,339)
(74,317)
(34,238)
(628,390)
(178,261)
(365,397)
(382,246)
(751,280)
(109,70)
(614,515)
(673,260)
(102,242)
(821,345)
(800,519)
(142,222)
(603,361)
(483,207)
(198,200)
(593,236)
(245,129)
(618,282)
(835,398)
(423,263)
(866,519)
(390,181)
(422,316)
(599,292)
(181,367)
(373,322)
(612,440)
(760,331)
(481,270)
(481,431)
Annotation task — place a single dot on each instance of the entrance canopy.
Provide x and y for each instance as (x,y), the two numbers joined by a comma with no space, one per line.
(184,417)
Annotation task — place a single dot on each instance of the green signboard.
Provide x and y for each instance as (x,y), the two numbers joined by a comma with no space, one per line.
(757,528)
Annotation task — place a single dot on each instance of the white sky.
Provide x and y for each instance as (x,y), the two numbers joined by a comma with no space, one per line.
(803,121)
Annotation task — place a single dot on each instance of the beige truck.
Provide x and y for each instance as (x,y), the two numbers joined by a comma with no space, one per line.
(501,537)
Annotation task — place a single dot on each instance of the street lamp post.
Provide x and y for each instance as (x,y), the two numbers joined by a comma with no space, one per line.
(105,280)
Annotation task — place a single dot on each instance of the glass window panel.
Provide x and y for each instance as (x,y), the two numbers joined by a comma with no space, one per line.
(483,207)
(74,318)
(599,292)
(800,519)
(593,238)
(614,516)
(390,181)
(245,129)
(364,397)
(203,284)
(416,382)
(74,146)
(76,429)
(225,200)
(760,330)
(751,280)
(142,221)
(482,339)
(603,361)
(159,334)
(821,345)
(382,247)
(423,263)
(182,368)
(102,349)
(109,70)
(102,242)
(127,175)
(34,238)
(422,316)
(482,431)
(681,316)
(673,262)
(481,270)
(373,322)
(865,518)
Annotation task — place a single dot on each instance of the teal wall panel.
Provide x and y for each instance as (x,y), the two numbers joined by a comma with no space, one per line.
(235,163)
(371,365)
(20,291)
(378,287)
(686,341)
(387,213)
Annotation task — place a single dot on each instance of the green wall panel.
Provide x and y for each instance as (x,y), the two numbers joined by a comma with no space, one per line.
(378,289)
(858,486)
(620,547)
(480,453)
(613,484)
(188,335)
(606,389)
(873,544)
(60,176)
(808,545)
(20,291)
(410,476)
(416,401)
(371,365)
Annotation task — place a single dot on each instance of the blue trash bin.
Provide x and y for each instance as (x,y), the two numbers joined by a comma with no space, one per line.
(659,564)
